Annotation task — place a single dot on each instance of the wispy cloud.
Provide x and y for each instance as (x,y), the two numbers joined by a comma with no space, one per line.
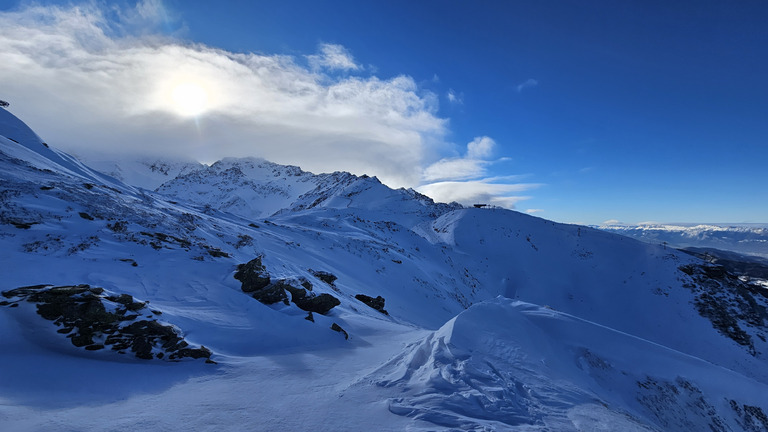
(333,57)
(454,98)
(466,180)
(87,82)
(612,222)
(471,166)
(455,169)
(529,83)
(478,192)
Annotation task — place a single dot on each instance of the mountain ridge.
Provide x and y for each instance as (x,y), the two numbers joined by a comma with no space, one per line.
(447,276)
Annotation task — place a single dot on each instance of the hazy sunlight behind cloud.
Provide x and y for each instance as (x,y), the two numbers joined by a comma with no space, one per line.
(90,83)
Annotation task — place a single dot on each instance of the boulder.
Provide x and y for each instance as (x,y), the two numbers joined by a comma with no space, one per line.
(375,303)
(252,275)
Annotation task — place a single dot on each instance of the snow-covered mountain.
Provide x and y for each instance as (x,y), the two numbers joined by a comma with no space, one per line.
(148,173)
(748,239)
(331,302)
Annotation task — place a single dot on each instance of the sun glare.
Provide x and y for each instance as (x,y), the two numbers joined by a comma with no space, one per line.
(189,99)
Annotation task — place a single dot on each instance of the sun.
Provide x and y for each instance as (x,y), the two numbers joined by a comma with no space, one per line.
(189,99)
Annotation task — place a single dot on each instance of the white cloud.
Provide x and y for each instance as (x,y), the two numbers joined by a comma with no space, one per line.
(82,87)
(333,57)
(87,82)
(477,192)
(534,211)
(612,222)
(471,166)
(480,148)
(466,181)
(454,98)
(529,83)
(455,169)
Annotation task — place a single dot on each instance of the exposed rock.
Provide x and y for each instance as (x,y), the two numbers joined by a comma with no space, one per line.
(86,216)
(305,299)
(324,276)
(732,305)
(321,304)
(376,303)
(23,225)
(253,275)
(94,320)
(679,405)
(750,418)
(216,252)
(129,260)
(256,280)
(336,327)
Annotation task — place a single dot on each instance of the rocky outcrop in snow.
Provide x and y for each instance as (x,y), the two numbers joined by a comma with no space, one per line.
(256,281)
(94,319)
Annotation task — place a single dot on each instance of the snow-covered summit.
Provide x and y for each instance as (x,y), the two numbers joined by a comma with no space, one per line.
(20,141)
(144,172)
(254,188)
(363,306)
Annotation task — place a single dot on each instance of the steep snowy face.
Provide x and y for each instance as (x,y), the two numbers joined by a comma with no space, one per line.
(17,131)
(20,142)
(251,188)
(611,280)
(147,173)
(510,365)
(254,188)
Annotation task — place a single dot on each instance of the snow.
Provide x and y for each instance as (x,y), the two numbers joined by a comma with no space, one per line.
(497,320)
(749,239)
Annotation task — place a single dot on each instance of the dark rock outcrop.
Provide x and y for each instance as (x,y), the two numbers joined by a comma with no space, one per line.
(337,328)
(324,276)
(375,303)
(94,320)
(305,299)
(256,281)
(253,275)
(736,309)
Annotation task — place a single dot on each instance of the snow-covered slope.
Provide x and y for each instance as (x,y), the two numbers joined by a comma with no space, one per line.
(332,302)
(507,365)
(147,173)
(254,188)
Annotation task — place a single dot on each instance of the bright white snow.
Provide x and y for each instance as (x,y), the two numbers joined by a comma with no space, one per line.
(497,320)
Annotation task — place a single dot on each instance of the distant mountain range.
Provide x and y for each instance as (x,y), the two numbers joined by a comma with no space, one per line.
(247,295)
(746,239)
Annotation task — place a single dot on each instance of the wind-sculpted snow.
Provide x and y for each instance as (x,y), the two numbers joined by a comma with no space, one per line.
(593,331)
(507,365)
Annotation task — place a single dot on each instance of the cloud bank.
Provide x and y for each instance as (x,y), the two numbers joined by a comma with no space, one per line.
(90,82)
(465,179)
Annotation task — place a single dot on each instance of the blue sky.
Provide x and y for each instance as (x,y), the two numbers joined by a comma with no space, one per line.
(578,111)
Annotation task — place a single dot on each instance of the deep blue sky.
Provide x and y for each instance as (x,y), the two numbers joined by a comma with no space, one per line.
(642,110)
